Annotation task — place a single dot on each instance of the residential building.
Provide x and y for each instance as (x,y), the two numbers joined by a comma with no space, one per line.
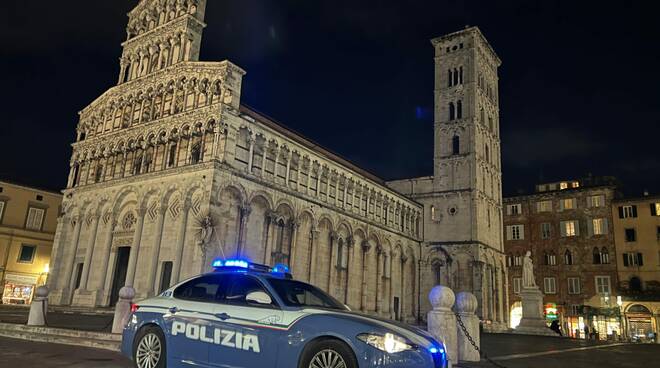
(28,219)
(567,226)
(637,242)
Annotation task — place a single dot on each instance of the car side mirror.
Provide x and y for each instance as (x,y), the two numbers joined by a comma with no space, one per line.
(259,297)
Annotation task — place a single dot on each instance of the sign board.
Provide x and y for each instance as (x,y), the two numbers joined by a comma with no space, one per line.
(21,279)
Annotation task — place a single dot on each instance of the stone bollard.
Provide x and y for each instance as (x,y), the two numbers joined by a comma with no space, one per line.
(39,307)
(123,309)
(442,321)
(466,306)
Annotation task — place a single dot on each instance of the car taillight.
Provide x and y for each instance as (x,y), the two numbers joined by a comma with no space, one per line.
(134,307)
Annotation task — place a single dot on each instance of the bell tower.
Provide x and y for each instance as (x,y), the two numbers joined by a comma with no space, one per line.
(467,166)
(161,33)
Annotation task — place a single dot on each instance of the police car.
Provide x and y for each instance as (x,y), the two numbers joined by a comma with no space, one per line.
(248,315)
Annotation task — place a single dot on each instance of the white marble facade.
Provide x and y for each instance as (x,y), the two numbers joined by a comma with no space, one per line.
(171,146)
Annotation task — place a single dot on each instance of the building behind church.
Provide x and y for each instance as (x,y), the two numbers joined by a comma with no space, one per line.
(170,171)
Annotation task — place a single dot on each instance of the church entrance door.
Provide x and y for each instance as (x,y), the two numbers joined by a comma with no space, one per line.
(119,278)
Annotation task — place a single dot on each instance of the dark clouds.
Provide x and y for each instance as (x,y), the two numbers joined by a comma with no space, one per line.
(578,85)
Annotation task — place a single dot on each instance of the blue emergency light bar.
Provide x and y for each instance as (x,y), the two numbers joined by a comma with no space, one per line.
(240,264)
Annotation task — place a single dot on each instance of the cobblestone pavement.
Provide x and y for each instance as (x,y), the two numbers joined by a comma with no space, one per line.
(28,354)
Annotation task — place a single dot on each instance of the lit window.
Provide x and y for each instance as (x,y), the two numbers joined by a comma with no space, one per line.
(569,228)
(603,284)
(655,209)
(599,226)
(567,204)
(563,186)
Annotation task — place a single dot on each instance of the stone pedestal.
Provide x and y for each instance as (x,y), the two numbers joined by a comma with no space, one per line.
(83,298)
(532,322)
(466,306)
(123,309)
(442,321)
(39,307)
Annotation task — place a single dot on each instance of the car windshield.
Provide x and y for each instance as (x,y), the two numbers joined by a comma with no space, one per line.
(299,294)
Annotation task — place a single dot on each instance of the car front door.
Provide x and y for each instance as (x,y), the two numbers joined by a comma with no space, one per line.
(251,333)
(190,320)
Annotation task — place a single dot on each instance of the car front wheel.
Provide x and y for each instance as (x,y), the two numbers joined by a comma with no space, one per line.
(328,354)
(149,348)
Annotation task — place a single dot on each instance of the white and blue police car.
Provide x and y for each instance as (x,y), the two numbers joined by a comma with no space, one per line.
(248,315)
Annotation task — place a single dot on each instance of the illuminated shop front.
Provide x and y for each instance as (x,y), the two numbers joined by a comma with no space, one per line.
(601,323)
(18,289)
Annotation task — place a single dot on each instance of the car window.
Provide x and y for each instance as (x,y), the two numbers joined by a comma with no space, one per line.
(299,294)
(239,287)
(208,288)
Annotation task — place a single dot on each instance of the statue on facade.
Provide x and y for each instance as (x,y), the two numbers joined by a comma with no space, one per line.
(528,271)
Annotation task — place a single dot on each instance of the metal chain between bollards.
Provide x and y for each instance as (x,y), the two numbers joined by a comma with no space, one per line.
(474,344)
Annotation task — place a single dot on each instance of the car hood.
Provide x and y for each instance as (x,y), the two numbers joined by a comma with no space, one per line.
(416,335)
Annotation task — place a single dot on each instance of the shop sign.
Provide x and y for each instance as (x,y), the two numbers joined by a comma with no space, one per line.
(21,279)
(550,310)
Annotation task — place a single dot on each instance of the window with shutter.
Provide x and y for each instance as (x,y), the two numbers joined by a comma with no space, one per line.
(35,218)
(626,262)
(603,284)
(517,284)
(640,259)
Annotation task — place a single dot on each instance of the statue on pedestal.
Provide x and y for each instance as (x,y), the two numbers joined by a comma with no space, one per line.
(528,271)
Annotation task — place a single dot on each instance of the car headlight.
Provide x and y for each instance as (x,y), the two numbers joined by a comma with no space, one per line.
(388,343)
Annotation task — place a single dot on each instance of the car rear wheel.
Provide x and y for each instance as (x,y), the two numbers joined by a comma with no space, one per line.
(328,353)
(149,348)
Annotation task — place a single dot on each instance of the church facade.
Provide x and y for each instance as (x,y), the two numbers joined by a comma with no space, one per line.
(170,171)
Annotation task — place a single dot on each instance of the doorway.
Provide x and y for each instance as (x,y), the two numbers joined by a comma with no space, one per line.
(119,278)
(397,309)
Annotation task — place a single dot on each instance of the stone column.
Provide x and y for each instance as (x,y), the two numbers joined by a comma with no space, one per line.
(89,253)
(466,305)
(268,249)
(189,145)
(294,241)
(350,242)
(250,154)
(178,252)
(288,170)
(331,261)
(56,260)
(242,231)
(404,259)
(155,252)
(264,152)
(312,267)
(135,248)
(379,294)
(107,247)
(71,262)
(442,321)
(477,287)
(365,250)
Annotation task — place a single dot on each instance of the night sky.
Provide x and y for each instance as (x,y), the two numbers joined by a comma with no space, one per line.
(579,84)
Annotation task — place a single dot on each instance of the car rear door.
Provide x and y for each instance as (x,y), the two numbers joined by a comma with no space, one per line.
(190,319)
(251,333)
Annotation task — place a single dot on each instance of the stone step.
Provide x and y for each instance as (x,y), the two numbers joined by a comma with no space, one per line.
(97,340)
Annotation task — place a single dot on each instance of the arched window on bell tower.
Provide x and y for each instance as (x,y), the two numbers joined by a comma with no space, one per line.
(456,145)
(459,110)
(450,78)
(452,111)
